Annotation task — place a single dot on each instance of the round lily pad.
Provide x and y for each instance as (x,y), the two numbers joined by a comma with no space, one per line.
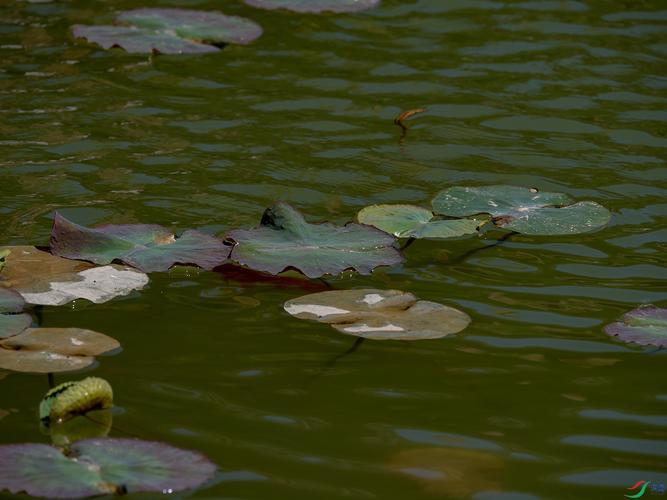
(645,325)
(409,221)
(315,6)
(51,350)
(147,247)
(524,210)
(285,240)
(101,466)
(379,314)
(171,31)
(42,278)
(11,323)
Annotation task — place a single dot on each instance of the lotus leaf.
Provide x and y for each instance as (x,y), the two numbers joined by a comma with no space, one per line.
(409,221)
(12,323)
(45,279)
(147,247)
(315,6)
(171,31)
(524,210)
(645,325)
(70,399)
(379,314)
(285,240)
(50,350)
(101,466)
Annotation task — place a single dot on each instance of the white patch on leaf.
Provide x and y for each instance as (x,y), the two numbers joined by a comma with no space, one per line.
(315,309)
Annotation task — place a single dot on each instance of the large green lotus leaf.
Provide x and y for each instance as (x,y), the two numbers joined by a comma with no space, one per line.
(12,324)
(42,278)
(147,247)
(315,6)
(50,350)
(379,314)
(645,325)
(201,26)
(101,466)
(409,221)
(525,210)
(139,40)
(285,240)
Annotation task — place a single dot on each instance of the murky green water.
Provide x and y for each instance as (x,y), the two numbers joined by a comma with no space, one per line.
(531,401)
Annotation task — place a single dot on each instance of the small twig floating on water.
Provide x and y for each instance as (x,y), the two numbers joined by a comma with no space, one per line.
(404,116)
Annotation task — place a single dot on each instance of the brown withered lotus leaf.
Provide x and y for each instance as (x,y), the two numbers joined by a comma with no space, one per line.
(51,350)
(379,314)
(44,279)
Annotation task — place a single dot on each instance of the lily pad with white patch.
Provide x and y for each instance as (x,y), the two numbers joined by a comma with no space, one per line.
(51,350)
(285,240)
(99,467)
(524,210)
(645,325)
(148,247)
(379,314)
(171,31)
(410,221)
(315,6)
(44,279)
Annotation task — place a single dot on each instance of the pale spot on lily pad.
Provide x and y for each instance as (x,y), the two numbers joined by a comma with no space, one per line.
(372,298)
(364,328)
(315,309)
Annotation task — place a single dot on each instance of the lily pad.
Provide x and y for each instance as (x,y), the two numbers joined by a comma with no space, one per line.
(379,314)
(285,240)
(42,278)
(524,210)
(69,399)
(51,350)
(645,325)
(101,466)
(147,247)
(171,31)
(315,6)
(409,221)
(11,323)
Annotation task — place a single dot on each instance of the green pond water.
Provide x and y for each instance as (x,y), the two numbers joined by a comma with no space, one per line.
(531,401)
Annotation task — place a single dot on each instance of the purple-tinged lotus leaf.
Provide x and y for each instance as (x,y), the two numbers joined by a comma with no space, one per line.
(101,466)
(147,247)
(171,31)
(645,325)
(139,40)
(315,6)
(12,323)
(285,240)
(524,210)
(201,26)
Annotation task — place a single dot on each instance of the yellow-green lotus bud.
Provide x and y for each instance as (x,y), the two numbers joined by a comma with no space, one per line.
(75,398)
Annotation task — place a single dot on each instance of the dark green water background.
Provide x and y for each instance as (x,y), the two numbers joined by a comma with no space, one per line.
(533,400)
